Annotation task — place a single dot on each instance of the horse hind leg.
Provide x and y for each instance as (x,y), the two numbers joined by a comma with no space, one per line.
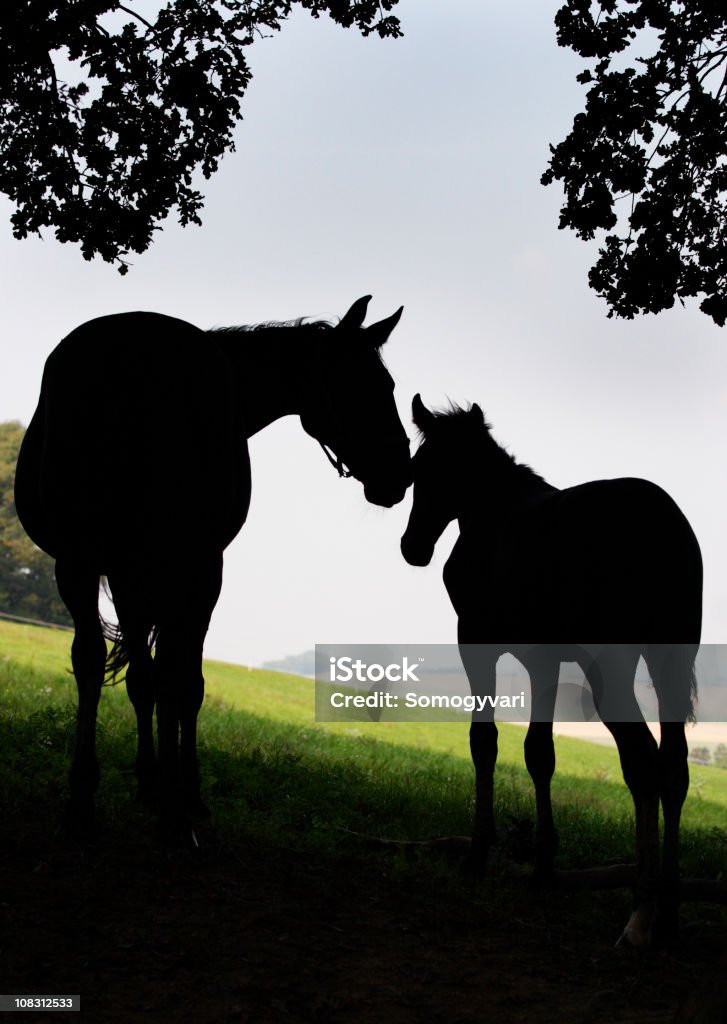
(132,646)
(140,687)
(180,691)
(78,587)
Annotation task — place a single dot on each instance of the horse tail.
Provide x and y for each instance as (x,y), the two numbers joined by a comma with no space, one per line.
(123,644)
(673,672)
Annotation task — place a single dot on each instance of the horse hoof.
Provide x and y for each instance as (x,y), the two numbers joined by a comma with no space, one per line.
(474,864)
(79,819)
(196,808)
(147,796)
(665,932)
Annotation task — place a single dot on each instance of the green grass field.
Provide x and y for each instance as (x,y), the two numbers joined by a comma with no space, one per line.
(268,768)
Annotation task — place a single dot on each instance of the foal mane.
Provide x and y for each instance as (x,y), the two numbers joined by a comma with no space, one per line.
(463,424)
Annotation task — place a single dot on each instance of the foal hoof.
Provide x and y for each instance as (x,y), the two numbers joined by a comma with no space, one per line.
(542,877)
(637,933)
(178,834)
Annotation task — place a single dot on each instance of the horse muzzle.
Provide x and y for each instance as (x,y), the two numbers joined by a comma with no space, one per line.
(385,495)
(416,554)
(388,487)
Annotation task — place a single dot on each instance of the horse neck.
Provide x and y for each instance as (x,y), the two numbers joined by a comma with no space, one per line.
(272,366)
(498,486)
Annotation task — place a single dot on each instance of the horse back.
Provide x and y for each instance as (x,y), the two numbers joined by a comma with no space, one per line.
(613,559)
(137,443)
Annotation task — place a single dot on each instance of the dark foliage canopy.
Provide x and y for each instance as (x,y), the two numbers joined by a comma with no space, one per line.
(27,578)
(105,115)
(646,161)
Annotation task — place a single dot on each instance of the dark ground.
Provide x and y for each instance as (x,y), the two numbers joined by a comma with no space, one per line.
(267,934)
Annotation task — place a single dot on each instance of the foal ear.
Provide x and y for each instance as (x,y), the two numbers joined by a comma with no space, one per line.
(379,333)
(423,417)
(477,415)
(356,314)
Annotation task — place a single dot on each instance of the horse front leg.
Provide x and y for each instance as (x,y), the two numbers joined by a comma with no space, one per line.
(480,665)
(78,588)
(192,698)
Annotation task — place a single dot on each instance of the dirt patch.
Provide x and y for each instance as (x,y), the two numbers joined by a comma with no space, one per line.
(267,934)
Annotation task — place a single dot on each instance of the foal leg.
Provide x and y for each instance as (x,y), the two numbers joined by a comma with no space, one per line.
(78,587)
(612,677)
(673,785)
(671,668)
(480,664)
(540,757)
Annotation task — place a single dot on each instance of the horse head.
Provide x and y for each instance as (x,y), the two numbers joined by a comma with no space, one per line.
(350,408)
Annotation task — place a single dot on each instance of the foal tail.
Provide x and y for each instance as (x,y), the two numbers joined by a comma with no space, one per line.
(672,670)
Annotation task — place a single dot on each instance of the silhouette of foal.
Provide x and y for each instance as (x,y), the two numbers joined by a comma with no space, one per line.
(135,466)
(608,560)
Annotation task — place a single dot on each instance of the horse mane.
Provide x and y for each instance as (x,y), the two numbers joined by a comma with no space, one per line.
(461,425)
(309,330)
(302,323)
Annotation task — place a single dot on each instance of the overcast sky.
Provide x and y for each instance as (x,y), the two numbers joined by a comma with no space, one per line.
(408,169)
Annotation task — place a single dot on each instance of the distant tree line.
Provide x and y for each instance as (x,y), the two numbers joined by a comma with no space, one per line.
(27,578)
(703,755)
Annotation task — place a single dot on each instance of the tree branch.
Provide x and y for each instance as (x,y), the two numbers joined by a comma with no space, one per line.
(133,14)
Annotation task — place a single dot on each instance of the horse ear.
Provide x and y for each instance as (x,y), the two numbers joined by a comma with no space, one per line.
(356,314)
(423,417)
(477,414)
(379,333)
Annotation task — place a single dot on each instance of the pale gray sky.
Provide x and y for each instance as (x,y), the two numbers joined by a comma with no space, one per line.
(410,170)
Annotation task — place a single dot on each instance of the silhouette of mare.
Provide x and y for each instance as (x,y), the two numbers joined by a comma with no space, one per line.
(605,560)
(135,467)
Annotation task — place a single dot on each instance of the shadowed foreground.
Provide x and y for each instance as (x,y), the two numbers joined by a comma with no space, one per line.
(284,915)
(268,934)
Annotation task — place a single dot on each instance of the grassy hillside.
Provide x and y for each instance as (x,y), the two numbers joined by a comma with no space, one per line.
(260,748)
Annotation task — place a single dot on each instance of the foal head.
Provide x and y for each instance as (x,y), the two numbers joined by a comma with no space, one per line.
(349,406)
(443,468)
